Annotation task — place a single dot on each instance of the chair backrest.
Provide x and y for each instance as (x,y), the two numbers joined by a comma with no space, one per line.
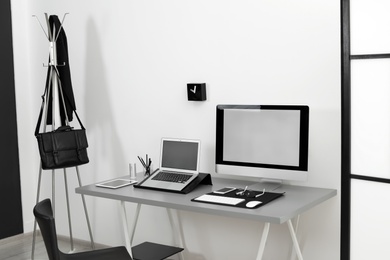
(44,215)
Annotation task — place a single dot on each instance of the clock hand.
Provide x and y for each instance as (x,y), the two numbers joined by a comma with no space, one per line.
(193,91)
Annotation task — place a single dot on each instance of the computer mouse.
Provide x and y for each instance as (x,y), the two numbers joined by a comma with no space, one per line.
(253,203)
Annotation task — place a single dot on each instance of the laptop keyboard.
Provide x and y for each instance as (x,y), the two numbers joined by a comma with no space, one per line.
(172,177)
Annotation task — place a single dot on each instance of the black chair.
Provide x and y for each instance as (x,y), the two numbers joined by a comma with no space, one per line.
(44,216)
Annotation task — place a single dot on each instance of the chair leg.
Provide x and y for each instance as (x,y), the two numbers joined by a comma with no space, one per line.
(85,210)
(35,221)
(68,208)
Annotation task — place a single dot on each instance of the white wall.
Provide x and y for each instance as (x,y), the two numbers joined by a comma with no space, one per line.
(130,62)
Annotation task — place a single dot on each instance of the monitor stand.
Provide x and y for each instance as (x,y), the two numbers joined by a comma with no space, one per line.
(266,184)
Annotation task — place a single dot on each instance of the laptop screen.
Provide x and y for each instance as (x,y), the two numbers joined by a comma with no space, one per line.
(180,155)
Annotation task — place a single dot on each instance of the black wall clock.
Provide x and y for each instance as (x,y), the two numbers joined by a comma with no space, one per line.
(196,91)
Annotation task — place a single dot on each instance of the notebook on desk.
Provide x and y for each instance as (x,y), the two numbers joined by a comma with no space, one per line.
(179,165)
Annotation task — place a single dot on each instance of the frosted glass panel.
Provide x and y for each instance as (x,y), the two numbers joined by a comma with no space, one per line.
(370,221)
(370,26)
(370,117)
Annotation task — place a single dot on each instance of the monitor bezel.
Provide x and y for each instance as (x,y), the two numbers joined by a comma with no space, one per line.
(234,167)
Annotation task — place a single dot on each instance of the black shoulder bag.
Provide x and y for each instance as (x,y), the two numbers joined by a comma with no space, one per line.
(62,148)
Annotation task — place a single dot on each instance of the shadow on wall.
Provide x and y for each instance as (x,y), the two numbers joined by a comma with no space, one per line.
(106,155)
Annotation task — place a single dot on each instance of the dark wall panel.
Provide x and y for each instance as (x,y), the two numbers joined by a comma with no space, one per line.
(11,221)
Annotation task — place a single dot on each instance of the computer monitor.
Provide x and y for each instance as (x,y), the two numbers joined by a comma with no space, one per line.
(269,142)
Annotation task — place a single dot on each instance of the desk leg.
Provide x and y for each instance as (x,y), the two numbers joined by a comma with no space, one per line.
(263,241)
(177,234)
(125,224)
(296,230)
(294,239)
(135,222)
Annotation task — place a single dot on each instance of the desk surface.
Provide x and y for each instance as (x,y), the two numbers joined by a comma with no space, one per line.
(297,199)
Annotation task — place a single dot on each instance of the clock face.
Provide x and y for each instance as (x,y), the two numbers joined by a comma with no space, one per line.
(196,91)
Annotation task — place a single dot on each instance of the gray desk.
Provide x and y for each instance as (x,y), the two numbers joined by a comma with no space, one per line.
(296,201)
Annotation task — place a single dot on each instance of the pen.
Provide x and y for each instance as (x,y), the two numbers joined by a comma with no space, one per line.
(142,161)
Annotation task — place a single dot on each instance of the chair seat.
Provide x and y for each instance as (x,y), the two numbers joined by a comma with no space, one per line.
(113,253)
(44,215)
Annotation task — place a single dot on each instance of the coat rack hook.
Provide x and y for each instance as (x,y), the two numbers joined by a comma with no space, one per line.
(47,20)
(62,22)
(41,26)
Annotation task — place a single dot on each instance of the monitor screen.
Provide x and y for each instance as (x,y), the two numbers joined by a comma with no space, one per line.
(266,141)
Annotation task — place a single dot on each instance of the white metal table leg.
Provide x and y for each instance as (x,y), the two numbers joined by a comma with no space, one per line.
(125,223)
(135,222)
(294,239)
(177,235)
(296,230)
(125,227)
(263,241)
(85,210)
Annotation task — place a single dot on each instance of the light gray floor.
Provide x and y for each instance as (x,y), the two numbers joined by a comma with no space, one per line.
(19,247)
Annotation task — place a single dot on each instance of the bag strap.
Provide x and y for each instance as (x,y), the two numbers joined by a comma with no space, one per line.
(62,92)
(40,114)
(43,105)
(78,119)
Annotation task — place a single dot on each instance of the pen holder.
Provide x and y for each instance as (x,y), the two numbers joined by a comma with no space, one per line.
(147,171)
(146,165)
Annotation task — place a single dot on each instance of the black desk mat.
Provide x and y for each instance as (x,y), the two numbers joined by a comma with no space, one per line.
(249,195)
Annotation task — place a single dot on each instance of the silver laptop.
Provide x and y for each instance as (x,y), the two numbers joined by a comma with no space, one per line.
(179,165)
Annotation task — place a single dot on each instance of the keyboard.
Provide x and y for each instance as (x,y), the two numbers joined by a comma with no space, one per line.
(172,177)
(219,199)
